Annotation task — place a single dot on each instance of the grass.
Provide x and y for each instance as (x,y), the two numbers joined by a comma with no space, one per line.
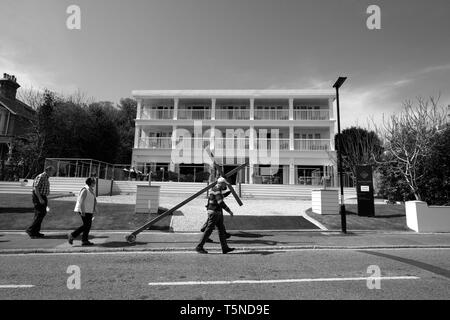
(16,213)
(387,217)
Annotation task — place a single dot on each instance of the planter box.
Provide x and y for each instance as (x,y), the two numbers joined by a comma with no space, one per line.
(325,201)
(147,199)
(422,218)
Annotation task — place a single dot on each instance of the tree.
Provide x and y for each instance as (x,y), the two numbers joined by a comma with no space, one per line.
(409,138)
(435,184)
(126,128)
(104,133)
(358,147)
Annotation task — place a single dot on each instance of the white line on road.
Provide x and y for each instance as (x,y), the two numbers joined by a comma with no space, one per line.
(191,251)
(15,286)
(190,283)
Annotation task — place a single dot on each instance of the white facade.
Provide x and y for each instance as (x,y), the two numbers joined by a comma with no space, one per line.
(299,125)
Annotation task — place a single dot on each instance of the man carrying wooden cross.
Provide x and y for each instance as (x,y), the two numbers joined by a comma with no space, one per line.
(215,217)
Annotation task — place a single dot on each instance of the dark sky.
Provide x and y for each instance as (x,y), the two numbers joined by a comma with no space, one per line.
(233,44)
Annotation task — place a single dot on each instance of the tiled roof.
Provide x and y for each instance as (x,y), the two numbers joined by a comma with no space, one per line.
(17,107)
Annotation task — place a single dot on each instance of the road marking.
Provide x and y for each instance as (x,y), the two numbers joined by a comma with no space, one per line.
(190,283)
(15,286)
(215,251)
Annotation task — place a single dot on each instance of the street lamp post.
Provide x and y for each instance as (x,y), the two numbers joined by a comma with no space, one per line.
(337,85)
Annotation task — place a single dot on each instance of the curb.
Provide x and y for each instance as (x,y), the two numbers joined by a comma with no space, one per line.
(190,249)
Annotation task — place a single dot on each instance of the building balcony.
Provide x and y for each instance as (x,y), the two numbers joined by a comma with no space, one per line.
(312,144)
(165,143)
(194,114)
(233,114)
(157,114)
(155,143)
(271,114)
(311,115)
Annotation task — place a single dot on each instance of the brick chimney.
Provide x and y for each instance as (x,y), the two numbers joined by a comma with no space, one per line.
(9,86)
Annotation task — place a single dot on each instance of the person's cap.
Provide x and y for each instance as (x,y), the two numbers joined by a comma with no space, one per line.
(221,180)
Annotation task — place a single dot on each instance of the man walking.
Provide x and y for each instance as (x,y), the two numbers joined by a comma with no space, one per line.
(227,235)
(215,217)
(41,189)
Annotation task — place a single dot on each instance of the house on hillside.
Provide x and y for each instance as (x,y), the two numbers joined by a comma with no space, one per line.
(15,118)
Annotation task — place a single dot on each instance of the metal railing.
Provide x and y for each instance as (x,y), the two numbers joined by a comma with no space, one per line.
(311,114)
(157,114)
(83,168)
(224,143)
(233,114)
(312,144)
(271,114)
(156,143)
(194,114)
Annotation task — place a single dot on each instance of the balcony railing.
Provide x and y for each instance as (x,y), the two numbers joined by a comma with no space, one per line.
(233,114)
(155,143)
(235,143)
(269,144)
(311,114)
(312,144)
(194,114)
(157,114)
(267,114)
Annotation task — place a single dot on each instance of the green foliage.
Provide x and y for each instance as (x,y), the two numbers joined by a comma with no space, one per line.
(69,127)
(393,186)
(358,147)
(435,185)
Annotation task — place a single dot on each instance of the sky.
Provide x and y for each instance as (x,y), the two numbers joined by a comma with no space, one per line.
(233,44)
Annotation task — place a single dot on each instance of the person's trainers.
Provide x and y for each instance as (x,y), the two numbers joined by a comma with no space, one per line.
(201,250)
(40,235)
(227,250)
(70,238)
(209,240)
(87,243)
(32,236)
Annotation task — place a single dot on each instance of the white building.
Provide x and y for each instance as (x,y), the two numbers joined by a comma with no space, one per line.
(304,121)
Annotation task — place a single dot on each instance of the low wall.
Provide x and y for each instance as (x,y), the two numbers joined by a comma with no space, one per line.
(423,218)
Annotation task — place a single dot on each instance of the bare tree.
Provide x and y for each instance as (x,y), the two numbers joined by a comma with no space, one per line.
(408,137)
(31,97)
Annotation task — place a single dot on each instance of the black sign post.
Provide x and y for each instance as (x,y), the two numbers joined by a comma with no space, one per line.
(364,191)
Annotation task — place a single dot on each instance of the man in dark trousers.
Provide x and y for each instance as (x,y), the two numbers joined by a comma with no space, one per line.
(227,235)
(41,189)
(215,217)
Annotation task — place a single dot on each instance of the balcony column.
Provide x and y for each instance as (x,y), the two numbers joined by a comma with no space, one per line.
(142,139)
(213,109)
(291,138)
(252,152)
(174,137)
(291,108)
(139,109)
(330,108)
(137,132)
(175,108)
(252,109)
(291,173)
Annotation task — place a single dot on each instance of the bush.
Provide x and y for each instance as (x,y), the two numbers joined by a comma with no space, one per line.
(435,185)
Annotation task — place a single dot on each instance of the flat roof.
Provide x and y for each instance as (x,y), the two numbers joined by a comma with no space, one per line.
(234,93)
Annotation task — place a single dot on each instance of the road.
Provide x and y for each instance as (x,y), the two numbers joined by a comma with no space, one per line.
(292,274)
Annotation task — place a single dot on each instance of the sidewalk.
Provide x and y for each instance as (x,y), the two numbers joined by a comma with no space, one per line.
(13,242)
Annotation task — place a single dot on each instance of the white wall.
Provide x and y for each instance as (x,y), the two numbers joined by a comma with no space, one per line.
(423,218)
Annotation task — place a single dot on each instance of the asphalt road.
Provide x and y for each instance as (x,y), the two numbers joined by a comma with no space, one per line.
(297,274)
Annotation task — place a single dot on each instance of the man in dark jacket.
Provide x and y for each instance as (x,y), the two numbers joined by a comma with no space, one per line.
(41,189)
(215,217)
